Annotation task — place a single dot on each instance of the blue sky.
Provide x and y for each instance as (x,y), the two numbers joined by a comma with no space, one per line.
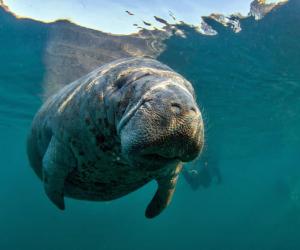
(110,16)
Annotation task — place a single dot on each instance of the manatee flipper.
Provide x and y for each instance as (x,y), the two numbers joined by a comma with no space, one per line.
(58,161)
(164,193)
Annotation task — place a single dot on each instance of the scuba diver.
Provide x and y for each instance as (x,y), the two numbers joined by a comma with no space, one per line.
(205,174)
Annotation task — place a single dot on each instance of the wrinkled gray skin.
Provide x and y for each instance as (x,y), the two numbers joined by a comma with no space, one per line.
(114,130)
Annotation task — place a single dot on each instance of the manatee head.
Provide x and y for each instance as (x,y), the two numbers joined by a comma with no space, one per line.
(162,124)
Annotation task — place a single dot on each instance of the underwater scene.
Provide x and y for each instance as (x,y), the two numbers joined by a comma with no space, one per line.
(211,108)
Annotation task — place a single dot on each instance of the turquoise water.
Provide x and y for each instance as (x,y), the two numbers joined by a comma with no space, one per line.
(248,86)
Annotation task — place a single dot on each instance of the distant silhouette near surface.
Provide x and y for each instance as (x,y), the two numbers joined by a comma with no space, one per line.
(204,172)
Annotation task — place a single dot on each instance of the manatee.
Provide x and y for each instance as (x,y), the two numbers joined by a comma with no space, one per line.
(114,130)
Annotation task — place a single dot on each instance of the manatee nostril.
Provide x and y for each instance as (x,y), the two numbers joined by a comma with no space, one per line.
(193,109)
(176,108)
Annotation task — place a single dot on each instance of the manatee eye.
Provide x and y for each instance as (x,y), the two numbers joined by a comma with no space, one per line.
(176,108)
(146,103)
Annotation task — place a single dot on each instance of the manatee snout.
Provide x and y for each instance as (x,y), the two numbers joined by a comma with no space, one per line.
(167,128)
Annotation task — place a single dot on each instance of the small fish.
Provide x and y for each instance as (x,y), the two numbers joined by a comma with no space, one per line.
(129,13)
(136,25)
(172,15)
(146,23)
(158,19)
